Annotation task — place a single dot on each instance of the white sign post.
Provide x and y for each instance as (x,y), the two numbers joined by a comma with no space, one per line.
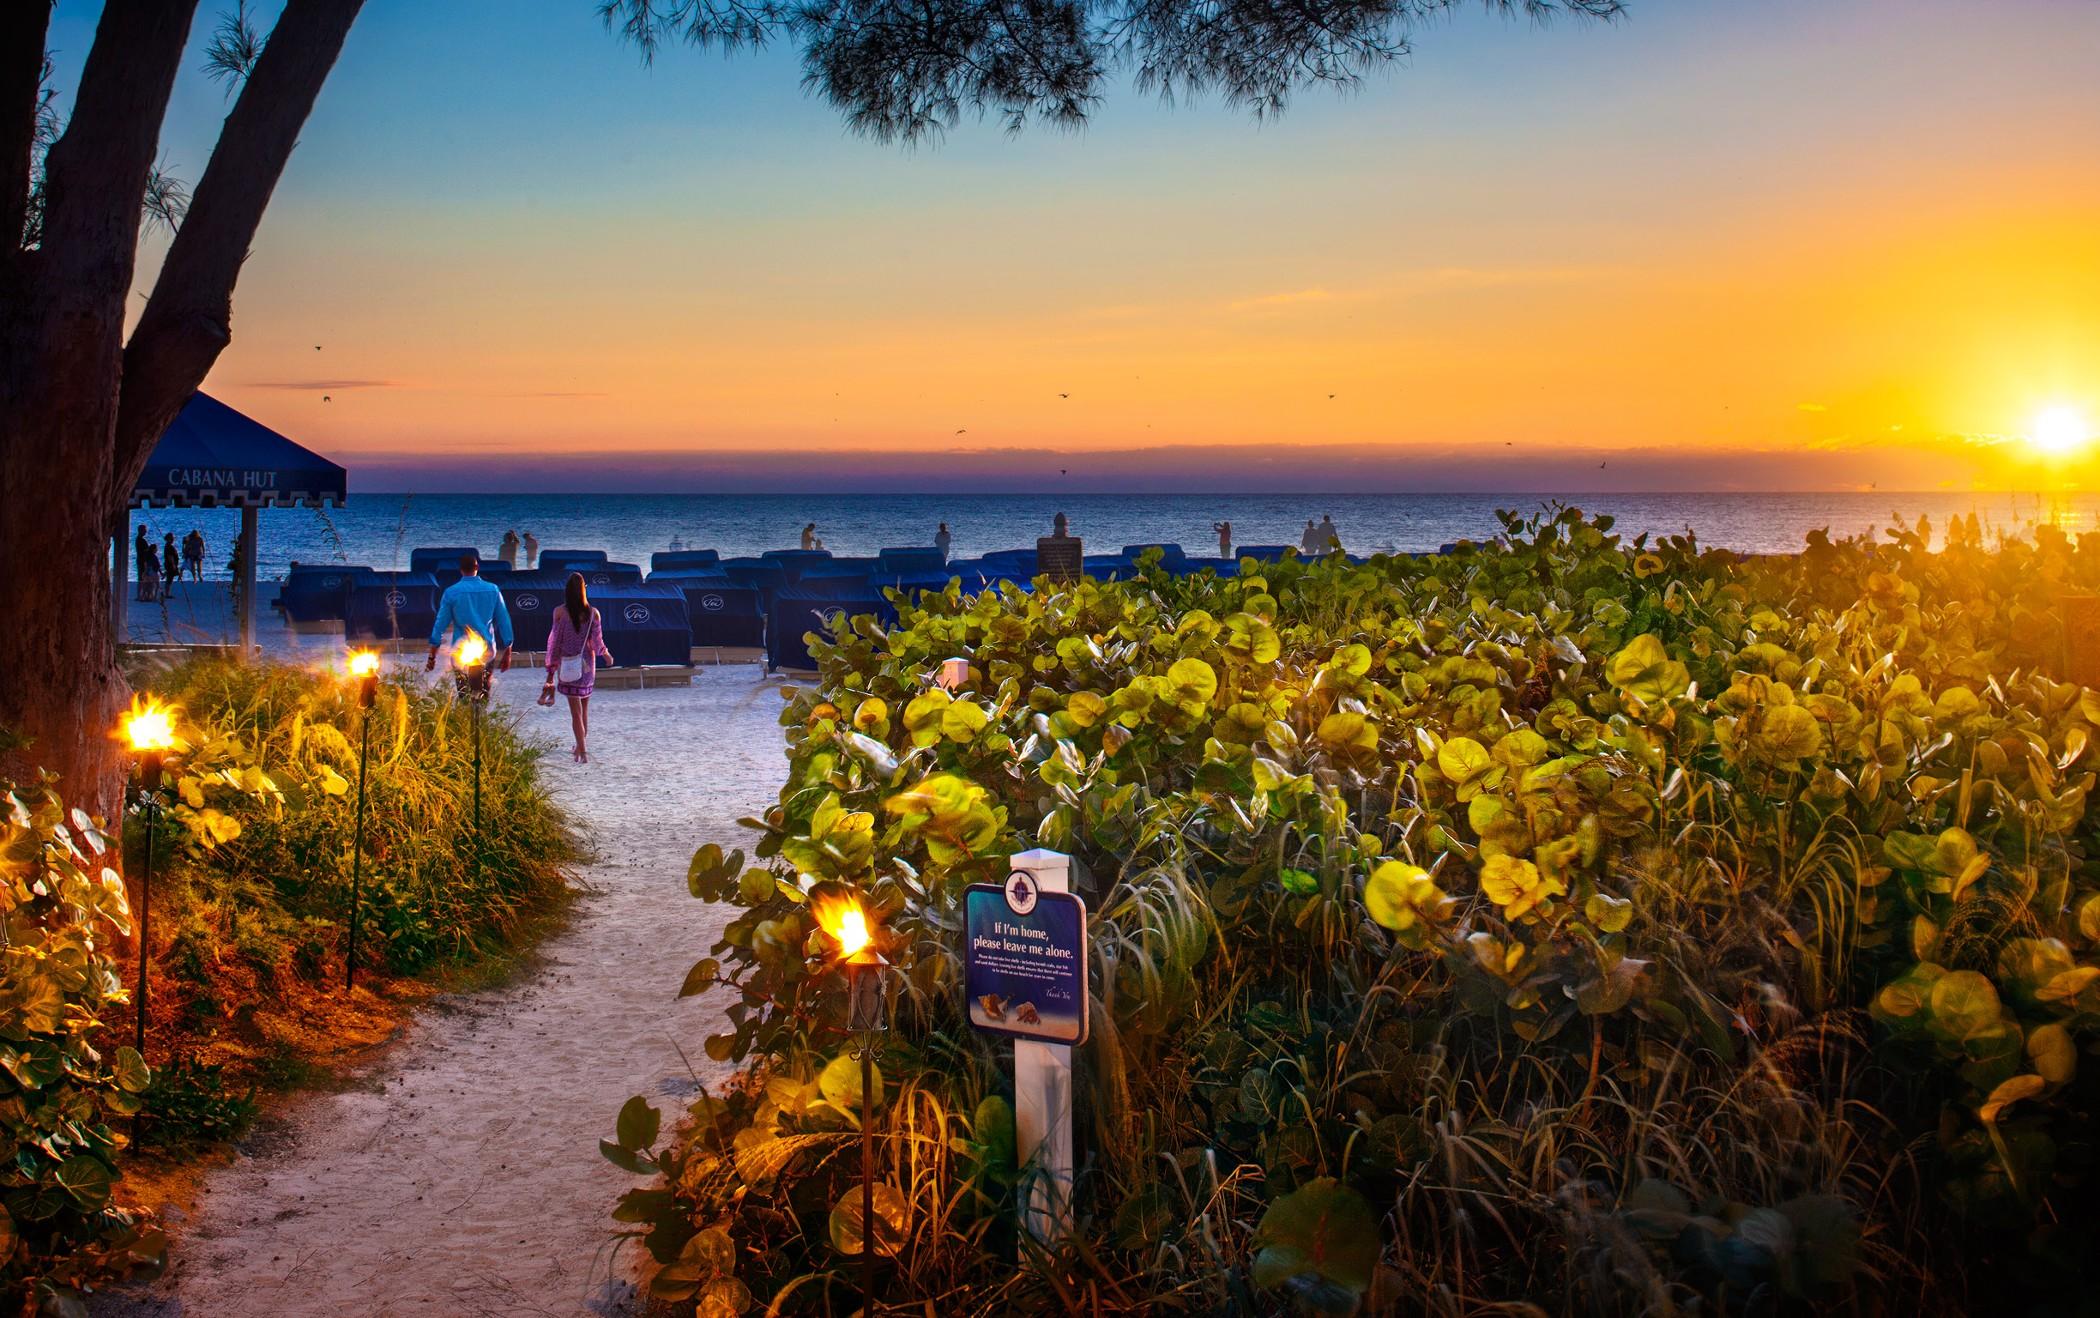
(1043,1096)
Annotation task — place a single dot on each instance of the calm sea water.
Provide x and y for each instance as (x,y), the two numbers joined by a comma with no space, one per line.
(378,530)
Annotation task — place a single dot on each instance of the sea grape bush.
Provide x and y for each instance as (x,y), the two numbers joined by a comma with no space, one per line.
(1610,925)
(65,1091)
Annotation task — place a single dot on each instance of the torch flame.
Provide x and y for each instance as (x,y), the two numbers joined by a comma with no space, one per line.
(149,726)
(364,663)
(847,924)
(471,652)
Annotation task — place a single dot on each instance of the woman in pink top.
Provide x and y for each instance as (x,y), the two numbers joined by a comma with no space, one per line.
(574,645)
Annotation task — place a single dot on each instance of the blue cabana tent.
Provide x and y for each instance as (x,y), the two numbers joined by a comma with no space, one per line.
(645,624)
(211,456)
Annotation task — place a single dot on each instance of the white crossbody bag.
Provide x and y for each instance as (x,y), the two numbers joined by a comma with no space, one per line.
(571,669)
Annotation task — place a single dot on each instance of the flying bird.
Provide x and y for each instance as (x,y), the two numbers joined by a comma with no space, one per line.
(1330,397)
(1064,395)
(962,432)
(326,399)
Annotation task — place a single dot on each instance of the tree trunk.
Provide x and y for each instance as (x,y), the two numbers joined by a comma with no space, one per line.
(61,688)
(61,353)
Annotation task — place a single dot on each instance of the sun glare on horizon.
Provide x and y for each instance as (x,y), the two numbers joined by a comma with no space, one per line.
(2059,431)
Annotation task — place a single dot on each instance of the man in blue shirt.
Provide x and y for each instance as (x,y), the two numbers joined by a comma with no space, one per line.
(472,605)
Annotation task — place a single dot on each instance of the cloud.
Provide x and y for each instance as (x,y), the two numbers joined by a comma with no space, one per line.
(1409,283)
(1299,298)
(329,385)
(1214,468)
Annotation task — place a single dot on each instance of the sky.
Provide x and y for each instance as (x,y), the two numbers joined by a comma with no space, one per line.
(1797,244)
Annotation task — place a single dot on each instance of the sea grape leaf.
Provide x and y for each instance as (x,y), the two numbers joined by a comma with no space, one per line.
(1324,1233)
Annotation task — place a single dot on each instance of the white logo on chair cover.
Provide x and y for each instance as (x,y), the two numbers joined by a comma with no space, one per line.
(395,599)
(636,613)
(331,583)
(713,603)
(527,603)
(602,579)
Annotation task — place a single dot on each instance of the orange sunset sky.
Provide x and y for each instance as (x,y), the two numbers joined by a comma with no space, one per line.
(1800,244)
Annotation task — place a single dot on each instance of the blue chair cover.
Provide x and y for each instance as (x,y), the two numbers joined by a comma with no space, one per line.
(682,558)
(430,558)
(391,606)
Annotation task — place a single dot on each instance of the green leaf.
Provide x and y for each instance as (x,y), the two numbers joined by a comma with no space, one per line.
(1463,759)
(704,973)
(839,1082)
(86,1179)
(131,1071)
(1645,670)
(1609,913)
(638,1124)
(846,1223)
(1323,1232)
(1297,882)
(1194,680)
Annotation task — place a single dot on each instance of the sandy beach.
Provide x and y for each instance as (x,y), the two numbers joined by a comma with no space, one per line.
(458,1173)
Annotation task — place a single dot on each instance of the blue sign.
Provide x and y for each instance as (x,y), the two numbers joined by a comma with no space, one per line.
(1024,960)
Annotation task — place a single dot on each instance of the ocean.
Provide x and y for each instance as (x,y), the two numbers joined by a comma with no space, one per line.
(379,530)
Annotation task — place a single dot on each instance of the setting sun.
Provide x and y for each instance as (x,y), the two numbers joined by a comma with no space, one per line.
(2058,431)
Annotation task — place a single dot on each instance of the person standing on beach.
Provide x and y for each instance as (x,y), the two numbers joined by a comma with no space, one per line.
(1224,530)
(148,561)
(1330,538)
(471,605)
(809,536)
(532,551)
(575,643)
(170,566)
(508,550)
(193,553)
(941,541)
(1310,543)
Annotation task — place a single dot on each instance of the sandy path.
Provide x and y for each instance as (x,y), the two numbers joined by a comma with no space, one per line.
(462,1175)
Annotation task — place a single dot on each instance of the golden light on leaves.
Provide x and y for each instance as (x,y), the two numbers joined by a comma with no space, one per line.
(149,725)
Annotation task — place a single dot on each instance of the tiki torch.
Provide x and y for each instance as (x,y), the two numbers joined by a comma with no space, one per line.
(364,666)
(149,730)
(470,669)
(868,1017)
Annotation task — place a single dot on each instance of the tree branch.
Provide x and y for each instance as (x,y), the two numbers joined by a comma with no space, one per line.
(22,28)
(95,174)
(189,319)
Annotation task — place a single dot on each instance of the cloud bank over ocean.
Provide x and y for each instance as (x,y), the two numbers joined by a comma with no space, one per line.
(1235,468)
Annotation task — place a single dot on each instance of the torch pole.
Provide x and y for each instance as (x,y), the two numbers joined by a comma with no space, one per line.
(146,919)
(477,788)
(867,1175)
(357,853)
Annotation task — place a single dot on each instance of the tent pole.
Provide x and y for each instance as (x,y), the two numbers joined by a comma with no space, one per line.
(246,584)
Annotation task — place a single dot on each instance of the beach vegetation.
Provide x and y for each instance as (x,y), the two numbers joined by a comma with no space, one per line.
(1568,921)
